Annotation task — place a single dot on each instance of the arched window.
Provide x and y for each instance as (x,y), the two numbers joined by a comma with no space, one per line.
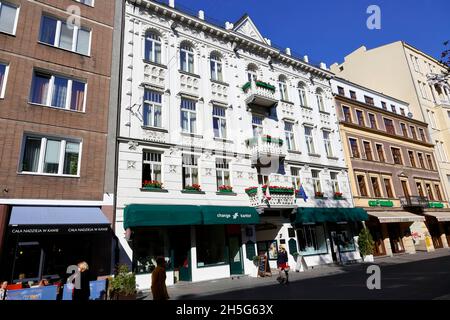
(320,99)
(186,57)
(152,47)
(282,85)
(302,94)
(252,71)
(216,67)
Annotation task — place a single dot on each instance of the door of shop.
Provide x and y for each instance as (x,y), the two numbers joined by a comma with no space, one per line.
(395,238)
(380,249)
(235,255)
(334,246)
(447,232)
(435,234)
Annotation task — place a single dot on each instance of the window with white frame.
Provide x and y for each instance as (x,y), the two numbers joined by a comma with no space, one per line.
(222,172)
(289,135)
(432,118)
(320,99)
(152,47)
(47,155)
(216,67)
(151,167)
(295,174)
(186,58)
(282,86)
(57,91)
(252,70)
(316,181)
(302,94)
(327,143)
(257,125)
(188,116)
(86,2)
(309,140)
(4,68)
(190,170)
(8,17)
(152,108)
(60,34)
(219,122)
(334,182)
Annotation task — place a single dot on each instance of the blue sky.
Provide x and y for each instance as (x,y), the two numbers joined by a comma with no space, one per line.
(327,30)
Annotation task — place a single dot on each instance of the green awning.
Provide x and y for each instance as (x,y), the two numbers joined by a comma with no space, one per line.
(319,215)
(229,215)
(147,215)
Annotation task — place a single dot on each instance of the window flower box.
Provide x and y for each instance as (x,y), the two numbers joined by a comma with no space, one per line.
(319,195)
(272,189)
(261,84)
(152,185)
(225,189)
(195,188)
(338,196)
(264,138)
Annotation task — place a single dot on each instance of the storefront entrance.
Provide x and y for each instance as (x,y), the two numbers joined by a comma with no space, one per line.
(395,238)
(375,231)
(341,239)
(433,228)
(447,231)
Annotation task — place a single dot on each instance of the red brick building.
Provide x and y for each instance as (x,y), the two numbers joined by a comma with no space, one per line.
(55,101)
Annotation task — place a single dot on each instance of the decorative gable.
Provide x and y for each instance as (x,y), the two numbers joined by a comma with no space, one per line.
(246,27)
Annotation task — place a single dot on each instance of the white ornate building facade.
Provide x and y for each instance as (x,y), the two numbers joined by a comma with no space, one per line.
(209,116)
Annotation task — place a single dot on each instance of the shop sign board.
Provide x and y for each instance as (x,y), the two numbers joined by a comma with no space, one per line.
(40,293)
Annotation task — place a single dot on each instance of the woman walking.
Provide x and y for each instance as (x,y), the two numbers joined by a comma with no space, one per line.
(283,267)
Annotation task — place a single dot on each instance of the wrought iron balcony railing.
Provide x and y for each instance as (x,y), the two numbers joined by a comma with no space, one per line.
(414,201)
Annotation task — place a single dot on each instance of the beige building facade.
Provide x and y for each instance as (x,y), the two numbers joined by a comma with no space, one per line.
(393,171)
(402,71)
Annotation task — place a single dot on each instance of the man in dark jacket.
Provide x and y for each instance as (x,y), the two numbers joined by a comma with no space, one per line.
(282,265)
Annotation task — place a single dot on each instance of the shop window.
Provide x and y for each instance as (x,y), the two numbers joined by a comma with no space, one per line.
(211,248)
(345,239)
(312,240)
(268,248)
(145,251)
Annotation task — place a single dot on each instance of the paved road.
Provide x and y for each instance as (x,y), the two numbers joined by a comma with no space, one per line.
(421,276)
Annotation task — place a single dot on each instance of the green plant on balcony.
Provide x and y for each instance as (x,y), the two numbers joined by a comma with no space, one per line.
(225,189)
(151,184)
(265,138)
(272,189)
(194,188)
(260,84)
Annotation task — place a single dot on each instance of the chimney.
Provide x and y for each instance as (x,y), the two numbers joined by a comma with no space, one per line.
(288,51)
(172,3)
(323,66)
(306,59)
(201,14)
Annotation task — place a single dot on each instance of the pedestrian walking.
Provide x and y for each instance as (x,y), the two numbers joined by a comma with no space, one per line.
(283,267)
(4,290)
(84,291)
(159,289)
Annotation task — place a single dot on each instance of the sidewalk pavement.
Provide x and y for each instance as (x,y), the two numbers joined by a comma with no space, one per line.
(189,290)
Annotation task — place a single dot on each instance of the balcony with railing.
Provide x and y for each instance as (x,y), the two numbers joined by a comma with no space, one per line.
(414,202)
(265,145)
(279,193)
(259,93)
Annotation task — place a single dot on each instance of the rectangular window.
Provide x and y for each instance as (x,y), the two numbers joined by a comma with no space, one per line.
(420,189)
(432,119)
(373,121)
(430,162)
(283,91)
(404,130)
(422,135)
(8,17)
(289,135)
(421,160)
(316,181)
(352,95)
(59,34)
(413,132)
(388,187)
(444,152)
(152,108)
(309,140)
(354,147)
(51,156)
(57,91)
(393,108)
(312,240)
(341,91)
(302,96)
(429,191)
(4,68)
(396,155)
(87,2)
(327,143)
(412,159)
(334,182)
(383,105)
(296,181)
(347,114)
(376,187)
(368,150)
(211,245)
(369,100)
(188,116)
(402,112)
(219,122)
(380,152)
(362,185)
(190,170)
(360,118)
(151,167)
(222,172)
(257,125)
(389,125)
(437,189)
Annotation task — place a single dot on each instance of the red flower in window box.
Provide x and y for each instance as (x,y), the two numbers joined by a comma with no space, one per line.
(152,184)
(319,194)
(194,187)
(225,188)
